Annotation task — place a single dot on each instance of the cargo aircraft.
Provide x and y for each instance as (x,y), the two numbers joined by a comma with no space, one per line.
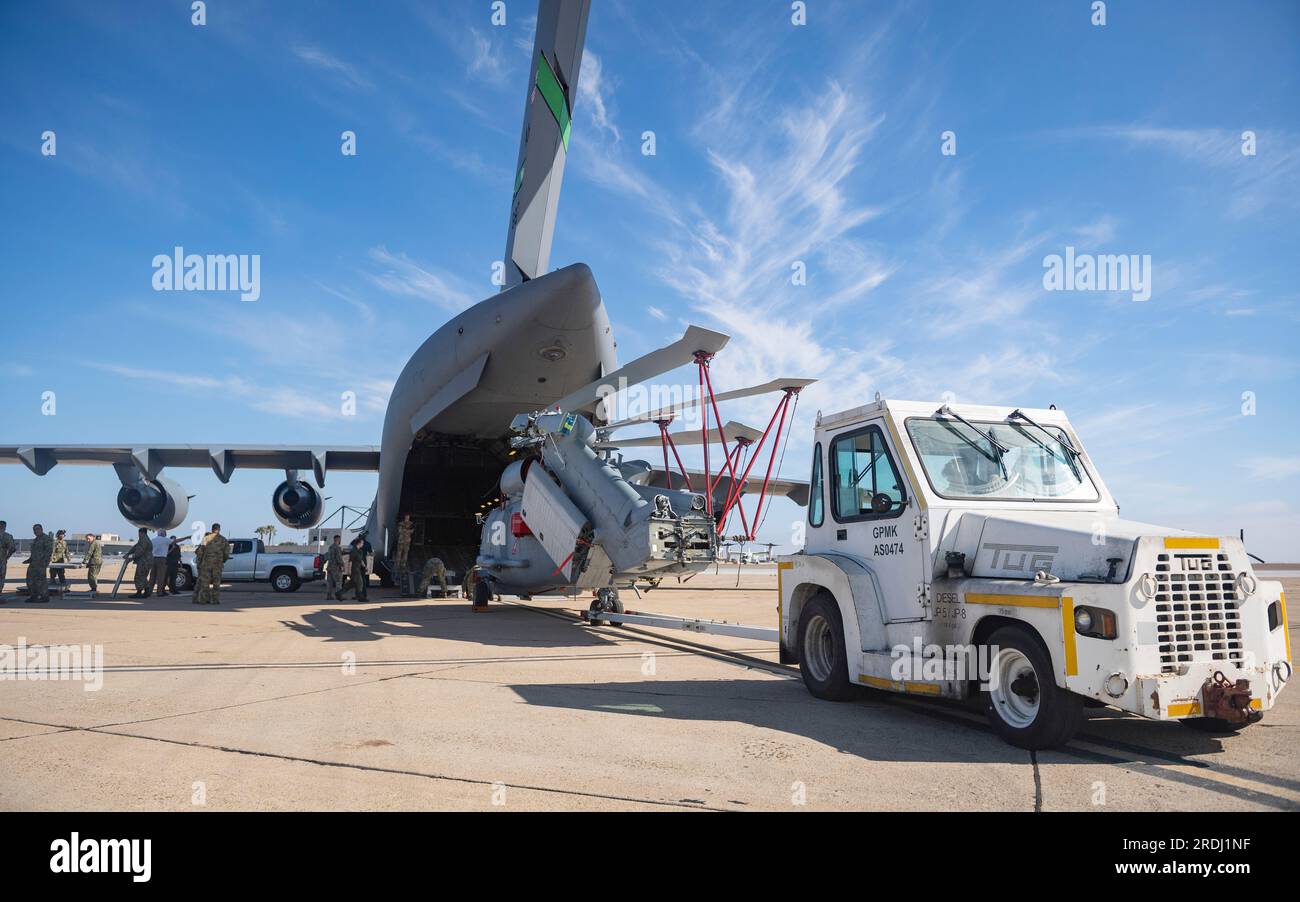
(544,340)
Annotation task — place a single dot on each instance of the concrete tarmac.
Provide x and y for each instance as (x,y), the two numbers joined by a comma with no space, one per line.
(287,702)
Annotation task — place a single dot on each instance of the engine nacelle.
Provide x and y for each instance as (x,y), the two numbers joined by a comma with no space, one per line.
(154,504)
(297,505)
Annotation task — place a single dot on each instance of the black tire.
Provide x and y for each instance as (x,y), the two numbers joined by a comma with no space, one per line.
(1056,713)
(184,580)
(607,602)
(1215,726)
(482,592)
(284,580)
(823,657)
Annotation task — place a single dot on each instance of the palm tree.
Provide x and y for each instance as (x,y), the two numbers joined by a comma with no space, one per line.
(266,534)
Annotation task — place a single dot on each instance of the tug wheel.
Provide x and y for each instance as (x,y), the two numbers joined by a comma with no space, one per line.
(823,658)
(1022,701)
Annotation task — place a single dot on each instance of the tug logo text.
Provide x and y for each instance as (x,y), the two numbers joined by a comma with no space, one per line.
(1022,558)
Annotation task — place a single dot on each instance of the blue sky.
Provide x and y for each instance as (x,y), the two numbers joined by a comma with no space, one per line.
(775,143)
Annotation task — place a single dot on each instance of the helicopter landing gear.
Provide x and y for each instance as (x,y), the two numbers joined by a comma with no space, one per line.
(605,602)
(482,595)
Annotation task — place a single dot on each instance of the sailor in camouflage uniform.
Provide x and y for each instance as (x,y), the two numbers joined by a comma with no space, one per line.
(357,563)
(211,557)
(60,556)
(141,554)
(433,566)
(334,565)
(7,548)
(94,560)
(38,566)
(405,529)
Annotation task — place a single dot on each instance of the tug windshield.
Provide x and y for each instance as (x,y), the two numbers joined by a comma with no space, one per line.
(1025,465)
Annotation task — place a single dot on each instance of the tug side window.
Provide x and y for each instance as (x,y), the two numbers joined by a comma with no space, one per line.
(860,469)
(816,503)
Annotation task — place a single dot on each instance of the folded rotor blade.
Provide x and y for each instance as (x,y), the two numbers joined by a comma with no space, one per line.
(656,363)
(667,412)
(732,431)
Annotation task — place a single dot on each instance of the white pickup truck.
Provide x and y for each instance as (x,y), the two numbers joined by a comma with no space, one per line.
(251,562)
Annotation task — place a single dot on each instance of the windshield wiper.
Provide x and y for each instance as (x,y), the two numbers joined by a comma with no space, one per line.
(998,448)
(1059,439)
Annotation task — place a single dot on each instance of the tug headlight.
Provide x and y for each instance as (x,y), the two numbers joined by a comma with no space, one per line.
(1098,623)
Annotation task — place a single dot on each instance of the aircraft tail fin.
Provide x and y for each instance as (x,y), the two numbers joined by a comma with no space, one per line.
(544,144)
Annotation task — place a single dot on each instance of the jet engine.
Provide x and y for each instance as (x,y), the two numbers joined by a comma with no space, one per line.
(153,503)
(296,504)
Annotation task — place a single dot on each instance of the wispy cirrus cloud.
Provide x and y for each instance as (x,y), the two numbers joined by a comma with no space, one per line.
(282,400)
(486,59)
(324,61)
(786,201)
(1271,468)
(402,276)
(594,95)
(1268,177)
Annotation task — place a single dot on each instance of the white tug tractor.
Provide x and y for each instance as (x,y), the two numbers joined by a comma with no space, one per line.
(962,549)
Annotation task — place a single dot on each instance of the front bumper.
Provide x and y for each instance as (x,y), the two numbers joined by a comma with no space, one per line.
(1179,696)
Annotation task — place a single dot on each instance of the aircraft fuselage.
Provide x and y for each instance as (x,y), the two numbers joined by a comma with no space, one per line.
(444,440)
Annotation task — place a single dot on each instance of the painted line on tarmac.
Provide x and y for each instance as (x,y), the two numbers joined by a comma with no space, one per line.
(311,665)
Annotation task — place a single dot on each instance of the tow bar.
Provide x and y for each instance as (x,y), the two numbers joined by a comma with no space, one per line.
(1228,701)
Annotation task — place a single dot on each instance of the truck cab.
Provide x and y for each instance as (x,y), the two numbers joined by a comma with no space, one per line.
(957,550)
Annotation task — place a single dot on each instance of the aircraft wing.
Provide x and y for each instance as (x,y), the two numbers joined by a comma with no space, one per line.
(150,460)
(794,489)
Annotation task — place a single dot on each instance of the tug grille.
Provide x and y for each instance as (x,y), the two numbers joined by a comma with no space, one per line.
(1198,616)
